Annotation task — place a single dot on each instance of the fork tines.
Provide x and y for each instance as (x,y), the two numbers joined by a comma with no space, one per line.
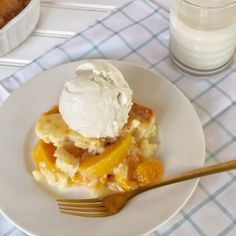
(83,207)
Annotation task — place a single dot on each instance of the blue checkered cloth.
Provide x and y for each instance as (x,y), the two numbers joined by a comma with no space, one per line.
(139,32)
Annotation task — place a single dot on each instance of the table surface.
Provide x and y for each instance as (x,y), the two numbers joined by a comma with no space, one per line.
(53,29)
(61,19)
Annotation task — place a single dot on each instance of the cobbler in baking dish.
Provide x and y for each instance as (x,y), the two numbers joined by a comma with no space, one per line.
(9,9)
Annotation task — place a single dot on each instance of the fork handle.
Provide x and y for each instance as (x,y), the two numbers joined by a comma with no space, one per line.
(204,171)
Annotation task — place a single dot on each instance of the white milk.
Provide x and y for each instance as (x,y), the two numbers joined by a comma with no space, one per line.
(202,47)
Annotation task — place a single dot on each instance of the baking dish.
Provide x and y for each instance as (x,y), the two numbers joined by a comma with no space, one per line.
(19,28)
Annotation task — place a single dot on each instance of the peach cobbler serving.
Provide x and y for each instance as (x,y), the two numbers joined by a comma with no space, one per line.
(96,136)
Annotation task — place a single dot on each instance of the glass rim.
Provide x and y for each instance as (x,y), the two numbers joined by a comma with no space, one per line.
(210,7)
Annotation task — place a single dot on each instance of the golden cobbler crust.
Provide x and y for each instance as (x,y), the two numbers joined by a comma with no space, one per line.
(51,128)
(72,148)
(9,9)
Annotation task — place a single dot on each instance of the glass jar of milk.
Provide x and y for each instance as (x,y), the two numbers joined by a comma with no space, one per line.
(203,35)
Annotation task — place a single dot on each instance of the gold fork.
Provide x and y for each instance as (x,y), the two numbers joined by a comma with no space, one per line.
(100,207)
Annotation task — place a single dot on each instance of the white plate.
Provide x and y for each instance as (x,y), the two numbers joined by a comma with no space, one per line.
(33,208)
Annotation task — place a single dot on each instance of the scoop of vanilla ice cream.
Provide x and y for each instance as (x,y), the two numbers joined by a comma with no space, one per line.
(96,103)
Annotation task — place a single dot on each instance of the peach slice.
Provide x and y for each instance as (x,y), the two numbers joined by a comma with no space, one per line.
(149,171)
(105,162)
(53,110)
(44,153)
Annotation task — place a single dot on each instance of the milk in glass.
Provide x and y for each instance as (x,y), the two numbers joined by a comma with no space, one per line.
(203,35)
